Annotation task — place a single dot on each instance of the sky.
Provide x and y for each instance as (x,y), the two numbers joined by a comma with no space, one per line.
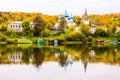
(55,7)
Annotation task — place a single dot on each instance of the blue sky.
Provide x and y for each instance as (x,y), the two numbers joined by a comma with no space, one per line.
(51,7)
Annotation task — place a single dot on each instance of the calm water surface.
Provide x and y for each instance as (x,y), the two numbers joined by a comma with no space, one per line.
(66,62)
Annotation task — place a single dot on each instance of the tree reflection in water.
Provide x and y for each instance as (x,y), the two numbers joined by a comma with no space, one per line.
(65,55)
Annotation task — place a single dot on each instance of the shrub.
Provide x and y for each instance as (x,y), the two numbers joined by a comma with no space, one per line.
(118,34)
(89,39)
(11,41)
(45,33)
(100,33)
(58,33)
(85,29)
(76,36)
(3,37)
(60,38)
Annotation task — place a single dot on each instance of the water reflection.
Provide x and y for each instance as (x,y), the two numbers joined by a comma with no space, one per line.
(64,55)
(73,62)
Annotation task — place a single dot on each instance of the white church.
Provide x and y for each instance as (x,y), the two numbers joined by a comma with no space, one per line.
(86,21)
(69,20)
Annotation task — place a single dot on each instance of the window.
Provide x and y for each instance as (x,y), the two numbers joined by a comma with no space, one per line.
(11,26)
(19,26)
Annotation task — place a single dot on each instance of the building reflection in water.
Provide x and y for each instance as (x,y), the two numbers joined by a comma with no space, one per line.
(16,57)
(85,59)
(69,61)
(64,57)
(92,54)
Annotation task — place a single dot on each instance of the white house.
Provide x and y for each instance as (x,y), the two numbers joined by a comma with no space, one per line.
(93,28)
(17,26)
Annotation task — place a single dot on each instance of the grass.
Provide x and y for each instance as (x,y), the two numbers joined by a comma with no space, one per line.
(24,41)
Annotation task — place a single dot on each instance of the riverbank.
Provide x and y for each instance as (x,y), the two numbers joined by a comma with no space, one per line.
(60,41)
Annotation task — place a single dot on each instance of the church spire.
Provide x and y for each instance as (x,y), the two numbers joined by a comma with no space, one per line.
(85,15)
(66,14)
(86,12)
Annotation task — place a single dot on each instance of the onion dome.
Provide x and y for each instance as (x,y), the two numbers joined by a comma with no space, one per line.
(66,14)
(71,17)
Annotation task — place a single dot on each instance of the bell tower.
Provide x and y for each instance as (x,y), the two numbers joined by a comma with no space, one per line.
(85,20)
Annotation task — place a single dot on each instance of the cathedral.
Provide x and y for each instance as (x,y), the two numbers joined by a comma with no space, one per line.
(68,18)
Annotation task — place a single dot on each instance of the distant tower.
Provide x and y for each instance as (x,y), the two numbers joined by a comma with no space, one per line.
(66,15)
(86,16)
(71,17)
(86,21)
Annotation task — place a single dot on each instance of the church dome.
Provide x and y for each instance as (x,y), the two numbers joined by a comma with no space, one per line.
(71,17)
(66,14)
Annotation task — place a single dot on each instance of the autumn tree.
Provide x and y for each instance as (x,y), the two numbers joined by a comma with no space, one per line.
(39,25)
(77,19)
(62,24)
(85,29)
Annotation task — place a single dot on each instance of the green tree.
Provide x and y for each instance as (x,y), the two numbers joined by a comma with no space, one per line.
(3,29)
(100,33)
(10,33)
(26,28)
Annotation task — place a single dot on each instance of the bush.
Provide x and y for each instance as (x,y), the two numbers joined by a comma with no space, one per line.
(45,33)
(100,33)
(58,33)
(89,39)
(60,38)
(76,36)
(10,41)
(85,29)
(3,37)
(117,34)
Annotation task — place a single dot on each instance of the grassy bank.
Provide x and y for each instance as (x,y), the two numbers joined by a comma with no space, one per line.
(27,40)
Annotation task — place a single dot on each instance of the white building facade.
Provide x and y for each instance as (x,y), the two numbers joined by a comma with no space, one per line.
(17,26)
(16,57)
